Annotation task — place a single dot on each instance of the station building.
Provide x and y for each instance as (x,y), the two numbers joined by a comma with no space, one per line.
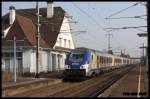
(55,39)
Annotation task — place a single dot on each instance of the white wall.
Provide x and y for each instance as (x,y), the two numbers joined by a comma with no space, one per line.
(49,61)
(3,63)
(33,61)
(27,61)
(12,64)
(44,61)
(63,61)
(68,36)
(6,31)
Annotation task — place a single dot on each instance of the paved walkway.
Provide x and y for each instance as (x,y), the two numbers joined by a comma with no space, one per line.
(134,84)
(53,76)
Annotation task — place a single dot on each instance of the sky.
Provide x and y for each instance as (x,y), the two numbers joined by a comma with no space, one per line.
(91,17)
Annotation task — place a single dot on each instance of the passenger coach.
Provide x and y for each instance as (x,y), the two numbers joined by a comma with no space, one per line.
(82,62)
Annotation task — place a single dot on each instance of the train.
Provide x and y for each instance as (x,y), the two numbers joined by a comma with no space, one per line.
(85,62)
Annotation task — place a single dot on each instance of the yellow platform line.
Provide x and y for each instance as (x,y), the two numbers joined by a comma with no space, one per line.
(139,84)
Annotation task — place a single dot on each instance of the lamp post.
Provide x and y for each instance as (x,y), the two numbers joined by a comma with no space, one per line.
(14,42)
(14,61)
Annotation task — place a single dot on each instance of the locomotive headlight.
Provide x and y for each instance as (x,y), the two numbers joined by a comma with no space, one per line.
(81,67)
(85,66)
(67,67)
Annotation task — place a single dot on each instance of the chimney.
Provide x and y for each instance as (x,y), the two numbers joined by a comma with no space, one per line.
(11,15)
(49,10)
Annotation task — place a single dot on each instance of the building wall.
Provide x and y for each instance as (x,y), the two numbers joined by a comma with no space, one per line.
(57,61)
(8,61)
(65,34)
(44,61)
(27,61)
(49,61)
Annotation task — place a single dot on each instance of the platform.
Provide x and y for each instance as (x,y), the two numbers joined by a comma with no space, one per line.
(134,84)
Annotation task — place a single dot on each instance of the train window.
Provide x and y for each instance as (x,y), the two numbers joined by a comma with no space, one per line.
(110,60)
(97,58)
(102,59)
(76,57)
(106,59)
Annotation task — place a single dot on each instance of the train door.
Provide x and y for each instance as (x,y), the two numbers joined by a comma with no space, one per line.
(113,61)
(98,62)
(94,61)
(91,62)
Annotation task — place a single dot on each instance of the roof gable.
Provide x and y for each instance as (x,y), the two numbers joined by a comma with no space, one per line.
(16,31)
(26,21)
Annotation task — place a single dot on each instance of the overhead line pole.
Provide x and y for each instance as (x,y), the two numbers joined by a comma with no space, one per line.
(37,42)
(147,62)
(109,40)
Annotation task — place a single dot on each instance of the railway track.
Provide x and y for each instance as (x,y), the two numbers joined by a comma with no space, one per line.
(94,87)
(108,83)
(89,88)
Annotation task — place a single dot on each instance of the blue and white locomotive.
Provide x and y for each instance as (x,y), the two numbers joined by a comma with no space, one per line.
(83,62)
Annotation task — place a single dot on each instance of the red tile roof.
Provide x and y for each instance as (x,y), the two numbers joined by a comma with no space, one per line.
(24,27)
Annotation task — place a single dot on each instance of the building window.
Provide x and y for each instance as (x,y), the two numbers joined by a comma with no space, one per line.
(69,43)
(57,41)
(65,41)
(60,41)
(5,55)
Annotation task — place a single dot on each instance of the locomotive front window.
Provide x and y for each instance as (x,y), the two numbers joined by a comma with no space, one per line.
(76,57)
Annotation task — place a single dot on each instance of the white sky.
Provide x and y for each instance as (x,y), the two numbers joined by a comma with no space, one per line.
(95,37)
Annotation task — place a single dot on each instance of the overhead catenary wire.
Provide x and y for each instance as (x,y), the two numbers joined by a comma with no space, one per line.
(122,10)
(93,20)
(140,17)
(127,27)
(140,30)
(83,39)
